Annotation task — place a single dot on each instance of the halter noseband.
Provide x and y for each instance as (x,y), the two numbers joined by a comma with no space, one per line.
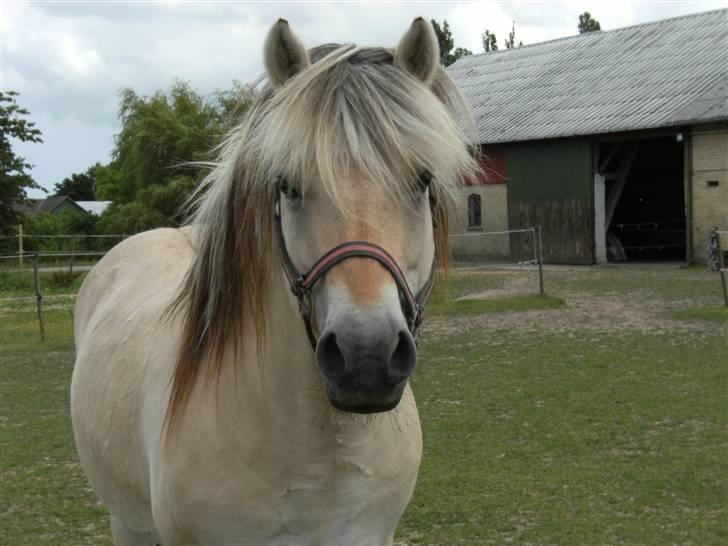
(301,284)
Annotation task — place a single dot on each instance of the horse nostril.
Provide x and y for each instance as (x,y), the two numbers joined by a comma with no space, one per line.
(403,359)
(329,356)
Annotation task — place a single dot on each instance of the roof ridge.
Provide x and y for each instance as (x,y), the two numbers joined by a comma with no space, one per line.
(594,33)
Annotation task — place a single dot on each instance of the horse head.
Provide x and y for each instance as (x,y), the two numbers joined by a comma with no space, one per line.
(360,222)
(341,168)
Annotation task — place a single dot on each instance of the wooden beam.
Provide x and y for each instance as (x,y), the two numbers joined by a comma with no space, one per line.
(625,166)
(605,163)
(628,136)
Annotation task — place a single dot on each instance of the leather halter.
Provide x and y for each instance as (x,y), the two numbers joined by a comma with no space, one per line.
(301,285)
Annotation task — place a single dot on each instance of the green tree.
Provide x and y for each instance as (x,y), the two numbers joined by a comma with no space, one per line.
(15,177)
(587,24)
(490,43)
(511,41)
(157,159)
(448,53)
(130,218)
(67,223)
(79,186)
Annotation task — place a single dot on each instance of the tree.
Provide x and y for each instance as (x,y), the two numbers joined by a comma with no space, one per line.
(511,41)
(489,41)
(448,53)
(79,186)
(14,170)
(156,161)
(587,24)
(130,218)
(45,223)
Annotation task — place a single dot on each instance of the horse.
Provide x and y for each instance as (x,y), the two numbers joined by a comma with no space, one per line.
(244,379)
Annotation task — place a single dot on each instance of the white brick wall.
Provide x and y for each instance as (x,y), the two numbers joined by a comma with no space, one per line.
(710,203)
(494,217)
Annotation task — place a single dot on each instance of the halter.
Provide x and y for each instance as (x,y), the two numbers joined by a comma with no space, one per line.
(301,285)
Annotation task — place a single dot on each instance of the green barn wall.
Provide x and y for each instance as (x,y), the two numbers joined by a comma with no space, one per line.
(550,184)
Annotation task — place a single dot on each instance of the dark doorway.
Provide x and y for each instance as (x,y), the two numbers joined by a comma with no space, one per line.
(648,220)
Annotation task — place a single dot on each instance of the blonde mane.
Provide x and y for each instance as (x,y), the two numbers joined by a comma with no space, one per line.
(351,109)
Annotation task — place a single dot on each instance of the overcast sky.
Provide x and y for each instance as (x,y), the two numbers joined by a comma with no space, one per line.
(68,60)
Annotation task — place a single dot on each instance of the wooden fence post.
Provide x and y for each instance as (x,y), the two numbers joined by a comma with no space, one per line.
(39,297)
(20,245)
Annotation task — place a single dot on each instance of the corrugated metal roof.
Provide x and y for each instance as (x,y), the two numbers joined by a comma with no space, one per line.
(662,74)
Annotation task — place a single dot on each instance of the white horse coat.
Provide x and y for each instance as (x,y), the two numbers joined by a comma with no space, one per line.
(274,464)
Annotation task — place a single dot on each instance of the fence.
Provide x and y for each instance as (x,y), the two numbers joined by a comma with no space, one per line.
(54,254)
(38,291)
(499,249)
(482,249)
(62,249)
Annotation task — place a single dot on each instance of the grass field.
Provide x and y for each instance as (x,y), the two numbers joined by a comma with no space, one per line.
(597,415)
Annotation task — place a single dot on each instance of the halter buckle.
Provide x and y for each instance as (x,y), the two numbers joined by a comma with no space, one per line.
(297,287)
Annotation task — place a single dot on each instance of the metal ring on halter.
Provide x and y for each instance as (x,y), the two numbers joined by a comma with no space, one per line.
(413,306)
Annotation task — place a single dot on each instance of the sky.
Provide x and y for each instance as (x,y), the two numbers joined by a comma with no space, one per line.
(69,60)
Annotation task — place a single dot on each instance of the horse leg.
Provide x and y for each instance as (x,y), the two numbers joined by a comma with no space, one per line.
(123,536)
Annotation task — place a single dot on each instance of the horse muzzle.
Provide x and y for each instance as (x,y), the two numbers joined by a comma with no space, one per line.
(366,371)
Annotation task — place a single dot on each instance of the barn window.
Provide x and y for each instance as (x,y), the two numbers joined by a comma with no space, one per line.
(474,214)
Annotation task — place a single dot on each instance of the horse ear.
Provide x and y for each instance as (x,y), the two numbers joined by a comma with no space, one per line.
(283,53)
(418,51)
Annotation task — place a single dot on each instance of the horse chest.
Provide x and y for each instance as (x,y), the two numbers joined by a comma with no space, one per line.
(351,496)
(351,506)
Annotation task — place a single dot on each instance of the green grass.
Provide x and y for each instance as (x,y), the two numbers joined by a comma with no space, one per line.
(22,283)
(663,283)
(719,314)
(545,442)
(44,497)
(572,431)
(20,332)
(459,284)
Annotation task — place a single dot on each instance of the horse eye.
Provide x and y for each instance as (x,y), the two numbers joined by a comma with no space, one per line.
(288,190)
(423,180)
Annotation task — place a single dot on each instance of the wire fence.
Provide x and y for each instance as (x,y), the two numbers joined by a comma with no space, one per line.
(521,248)
(64,247)
(38,292)
(69,254)
(49,273)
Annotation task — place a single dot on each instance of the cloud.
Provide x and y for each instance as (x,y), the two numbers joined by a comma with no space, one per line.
(70,60)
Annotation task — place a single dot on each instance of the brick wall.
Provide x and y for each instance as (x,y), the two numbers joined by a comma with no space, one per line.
(710,202)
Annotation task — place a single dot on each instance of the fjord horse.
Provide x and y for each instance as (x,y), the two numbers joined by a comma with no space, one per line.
(243,380)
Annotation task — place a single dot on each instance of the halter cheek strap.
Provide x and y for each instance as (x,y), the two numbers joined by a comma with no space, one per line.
(413,306)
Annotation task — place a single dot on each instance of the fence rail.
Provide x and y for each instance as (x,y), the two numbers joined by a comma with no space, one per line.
(25,244)
(64,236)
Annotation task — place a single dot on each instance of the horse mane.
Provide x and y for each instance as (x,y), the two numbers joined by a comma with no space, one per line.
(352,108)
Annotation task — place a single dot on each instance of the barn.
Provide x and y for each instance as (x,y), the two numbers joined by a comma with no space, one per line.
(614,142)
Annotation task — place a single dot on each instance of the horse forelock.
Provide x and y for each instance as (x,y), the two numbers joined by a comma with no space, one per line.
(352,109)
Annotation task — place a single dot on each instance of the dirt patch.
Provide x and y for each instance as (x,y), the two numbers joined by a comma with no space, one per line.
(645,308)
